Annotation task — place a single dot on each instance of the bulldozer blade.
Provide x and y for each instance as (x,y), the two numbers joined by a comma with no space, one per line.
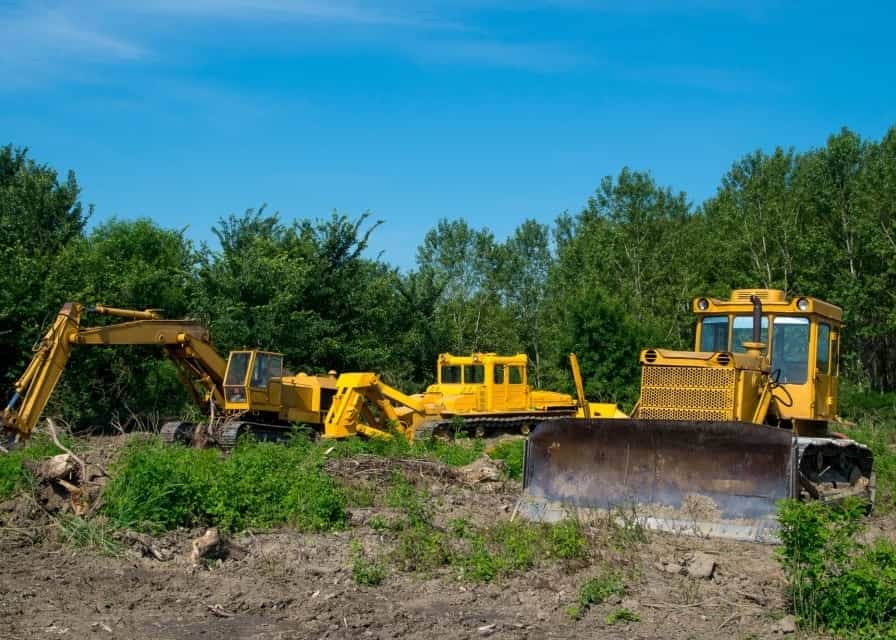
(716,479)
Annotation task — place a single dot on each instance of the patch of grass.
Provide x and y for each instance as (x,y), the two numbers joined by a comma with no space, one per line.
(622,615)
(835,581)
(567,540)
(456,453)
(96,534)
(513,547)
(874,415)
(365,572)
(596,591)
(13,474)
(511,452)
(157,487)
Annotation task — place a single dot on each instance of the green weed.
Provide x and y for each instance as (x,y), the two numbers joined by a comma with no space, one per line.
(622,615)
(511,452)
(365,572)
(596,591)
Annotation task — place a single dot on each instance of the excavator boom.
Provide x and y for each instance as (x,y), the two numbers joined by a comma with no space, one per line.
(186,342)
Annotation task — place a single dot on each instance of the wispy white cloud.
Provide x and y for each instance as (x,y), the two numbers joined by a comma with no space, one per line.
(538,57)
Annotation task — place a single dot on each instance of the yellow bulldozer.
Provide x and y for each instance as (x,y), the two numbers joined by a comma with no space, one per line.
(720,434)
(251,392)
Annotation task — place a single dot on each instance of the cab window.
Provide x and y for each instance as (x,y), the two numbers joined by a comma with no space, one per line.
(714,333)
(450,374)
(267,366)
(790,349)
(742,331)
(474,374)
(823,350)
(516,375)
(499,374)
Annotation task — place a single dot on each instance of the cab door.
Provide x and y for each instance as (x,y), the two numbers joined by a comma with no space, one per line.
(517,389)
(499,388)
(826,348)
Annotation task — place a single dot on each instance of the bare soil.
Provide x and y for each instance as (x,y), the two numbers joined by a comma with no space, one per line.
(295,585)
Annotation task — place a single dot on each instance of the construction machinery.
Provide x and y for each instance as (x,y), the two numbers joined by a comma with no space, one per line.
(251,392)
(720,434)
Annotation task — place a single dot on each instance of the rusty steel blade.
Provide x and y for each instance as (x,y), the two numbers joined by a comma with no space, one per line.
(695,472)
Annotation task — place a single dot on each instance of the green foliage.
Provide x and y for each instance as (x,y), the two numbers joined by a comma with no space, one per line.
(511,452)
(96,534)
(596,590)
(874,415)
(622,615)
(837,582)
(567,540)
(607,281)
(13,474)
(157,487)
(365,572)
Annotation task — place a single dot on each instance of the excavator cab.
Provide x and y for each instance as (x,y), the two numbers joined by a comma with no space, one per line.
(247,380)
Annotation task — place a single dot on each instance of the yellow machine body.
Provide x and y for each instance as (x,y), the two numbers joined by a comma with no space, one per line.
(720,434)
(252,392)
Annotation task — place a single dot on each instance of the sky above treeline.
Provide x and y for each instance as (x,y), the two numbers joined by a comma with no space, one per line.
(495,111)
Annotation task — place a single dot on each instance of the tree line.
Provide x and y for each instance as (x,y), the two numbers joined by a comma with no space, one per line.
(605,281)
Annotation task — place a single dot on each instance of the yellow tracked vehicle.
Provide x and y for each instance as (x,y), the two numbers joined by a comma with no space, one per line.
(721,433)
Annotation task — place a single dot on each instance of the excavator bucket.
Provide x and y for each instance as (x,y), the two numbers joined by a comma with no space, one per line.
(717,479)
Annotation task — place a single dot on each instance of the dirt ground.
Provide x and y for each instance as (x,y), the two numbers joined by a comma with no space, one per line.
(294,585)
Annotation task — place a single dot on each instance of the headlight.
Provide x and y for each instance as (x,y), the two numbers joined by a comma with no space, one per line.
(703,304)
(802,304)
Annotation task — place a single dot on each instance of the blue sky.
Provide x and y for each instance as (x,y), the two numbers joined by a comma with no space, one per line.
(492,110)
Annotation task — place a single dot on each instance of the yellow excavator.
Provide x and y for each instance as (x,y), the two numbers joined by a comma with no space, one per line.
(251,392)
(720,434)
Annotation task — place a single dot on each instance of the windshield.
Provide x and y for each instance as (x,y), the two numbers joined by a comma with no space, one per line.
(742,331)
(237,368)
(790,349)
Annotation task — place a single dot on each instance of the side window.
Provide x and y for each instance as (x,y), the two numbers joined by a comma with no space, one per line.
(516,375)
(267,366)
(823,351)
(450,374)
(499,374)
(474,374)
(743,332)
(714,333)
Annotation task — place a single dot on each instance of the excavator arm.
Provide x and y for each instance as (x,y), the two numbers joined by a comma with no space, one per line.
(200,368)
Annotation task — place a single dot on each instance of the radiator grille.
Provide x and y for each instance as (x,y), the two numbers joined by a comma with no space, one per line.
(687,393)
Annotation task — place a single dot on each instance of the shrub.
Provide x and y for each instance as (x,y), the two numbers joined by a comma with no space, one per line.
(157,487)
(835,581)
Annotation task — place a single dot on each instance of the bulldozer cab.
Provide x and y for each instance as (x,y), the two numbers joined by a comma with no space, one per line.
(482,382)
(248,377)
(801,338)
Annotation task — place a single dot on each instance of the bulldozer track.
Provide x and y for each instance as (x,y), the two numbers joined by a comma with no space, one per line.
(483,425)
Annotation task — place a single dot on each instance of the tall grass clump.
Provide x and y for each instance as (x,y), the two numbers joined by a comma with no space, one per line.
(837,582)
(157,487)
